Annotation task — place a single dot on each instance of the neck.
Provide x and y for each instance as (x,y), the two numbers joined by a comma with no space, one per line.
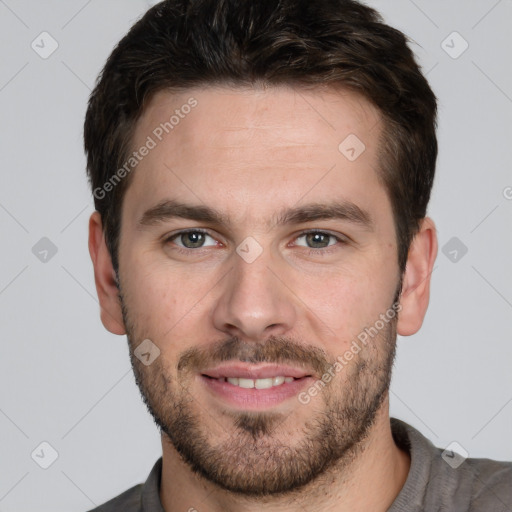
(370,481)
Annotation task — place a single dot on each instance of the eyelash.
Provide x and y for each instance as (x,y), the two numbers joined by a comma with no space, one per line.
(310,251)
(323,251)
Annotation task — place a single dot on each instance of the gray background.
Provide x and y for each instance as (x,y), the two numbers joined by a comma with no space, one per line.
(66,381)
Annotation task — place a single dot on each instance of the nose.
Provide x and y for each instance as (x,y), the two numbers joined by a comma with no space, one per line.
(255,302)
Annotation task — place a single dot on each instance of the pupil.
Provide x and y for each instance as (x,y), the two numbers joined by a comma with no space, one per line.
(317,239)
(193,239)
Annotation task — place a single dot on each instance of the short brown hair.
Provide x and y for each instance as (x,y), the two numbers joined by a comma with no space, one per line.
(179,44)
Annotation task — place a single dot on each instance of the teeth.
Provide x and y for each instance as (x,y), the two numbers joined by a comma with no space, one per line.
(257,383)
(277,381)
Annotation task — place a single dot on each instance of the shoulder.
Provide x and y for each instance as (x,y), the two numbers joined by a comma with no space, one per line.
(441,479)
(491,484)
(472,484)
(139,498)
(128,501)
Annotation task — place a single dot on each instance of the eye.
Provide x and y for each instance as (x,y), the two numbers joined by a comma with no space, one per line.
(317,239)
(191,239)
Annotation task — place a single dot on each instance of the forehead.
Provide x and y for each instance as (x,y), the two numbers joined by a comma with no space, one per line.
(253,148)
(227,114)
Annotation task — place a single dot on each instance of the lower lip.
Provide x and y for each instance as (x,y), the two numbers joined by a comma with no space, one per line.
(255,399)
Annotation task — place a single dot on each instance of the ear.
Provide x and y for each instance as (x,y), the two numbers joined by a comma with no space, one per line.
(416,280)
(104,277)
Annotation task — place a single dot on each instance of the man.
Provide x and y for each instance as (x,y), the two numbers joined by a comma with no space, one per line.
(261,174)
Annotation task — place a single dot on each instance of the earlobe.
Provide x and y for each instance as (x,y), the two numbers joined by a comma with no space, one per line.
(416,280)
(104,277)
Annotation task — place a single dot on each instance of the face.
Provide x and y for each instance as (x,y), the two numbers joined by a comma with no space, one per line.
(258,245)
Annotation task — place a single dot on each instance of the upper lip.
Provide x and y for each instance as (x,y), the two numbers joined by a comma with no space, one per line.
(252,371)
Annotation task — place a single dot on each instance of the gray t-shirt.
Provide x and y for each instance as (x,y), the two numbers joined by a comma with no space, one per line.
(433,485)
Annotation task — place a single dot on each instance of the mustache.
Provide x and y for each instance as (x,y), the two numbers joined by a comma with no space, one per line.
(273,350)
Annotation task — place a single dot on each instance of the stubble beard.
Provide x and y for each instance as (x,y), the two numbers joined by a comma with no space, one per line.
(254,461)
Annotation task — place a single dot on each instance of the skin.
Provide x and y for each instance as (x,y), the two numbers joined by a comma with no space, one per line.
(250,154)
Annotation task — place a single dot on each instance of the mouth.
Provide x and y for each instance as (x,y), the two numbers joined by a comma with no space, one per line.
(245,383)
(254,387)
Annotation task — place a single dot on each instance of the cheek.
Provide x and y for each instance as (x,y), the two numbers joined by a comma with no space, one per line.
(151,300)
(341,304)
(167,307)
(348,301)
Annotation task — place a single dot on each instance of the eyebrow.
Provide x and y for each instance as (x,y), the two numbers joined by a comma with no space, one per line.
(340,210)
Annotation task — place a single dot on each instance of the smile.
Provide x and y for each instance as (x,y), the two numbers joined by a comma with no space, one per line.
(256,383)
